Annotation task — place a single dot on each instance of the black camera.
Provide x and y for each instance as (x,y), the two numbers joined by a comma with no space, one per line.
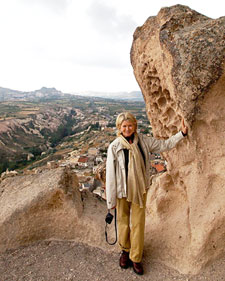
(109,218)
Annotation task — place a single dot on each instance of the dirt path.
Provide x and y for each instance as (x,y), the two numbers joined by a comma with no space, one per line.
(60,261)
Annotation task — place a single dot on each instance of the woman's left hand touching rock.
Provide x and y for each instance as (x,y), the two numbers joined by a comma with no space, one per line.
(184,128)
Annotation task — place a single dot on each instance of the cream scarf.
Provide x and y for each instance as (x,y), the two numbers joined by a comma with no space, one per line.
(136,181)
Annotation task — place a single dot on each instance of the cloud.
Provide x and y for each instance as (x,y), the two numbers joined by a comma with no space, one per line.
(69,44)
(100,60)
(106,20)
(57,6)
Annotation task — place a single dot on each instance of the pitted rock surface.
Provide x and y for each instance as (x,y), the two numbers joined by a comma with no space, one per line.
(178,60)
(177,56)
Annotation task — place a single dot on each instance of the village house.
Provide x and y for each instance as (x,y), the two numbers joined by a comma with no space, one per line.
(93,151)
(83,161)
(100,192)
(93,122)
(52,164)
(85,123)
(94,169)
(91,163)
(8,173)
(160,167)
(30,156)
(98,160)
(154,156)
(73,153)
(103,123)
(84,186)
(74,160)
(101,109)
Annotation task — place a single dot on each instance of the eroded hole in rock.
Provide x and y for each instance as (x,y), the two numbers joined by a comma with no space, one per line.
(162,102)
(165,119)
(153,83)
(160,125)
(166,94)
(154,109)
(171,114)
(162,107)
(154,71)
(173,129)
(144,68)
(167,131)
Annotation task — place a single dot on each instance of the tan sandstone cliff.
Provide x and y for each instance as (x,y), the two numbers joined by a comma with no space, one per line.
(178,60)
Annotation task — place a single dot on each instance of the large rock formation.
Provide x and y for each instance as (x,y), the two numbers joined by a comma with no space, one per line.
(178,60)
(49,205)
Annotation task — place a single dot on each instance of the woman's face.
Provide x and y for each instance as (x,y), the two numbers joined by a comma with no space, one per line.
(127,128)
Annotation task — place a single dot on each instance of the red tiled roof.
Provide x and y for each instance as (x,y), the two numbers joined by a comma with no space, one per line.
(159,167)
(83,159)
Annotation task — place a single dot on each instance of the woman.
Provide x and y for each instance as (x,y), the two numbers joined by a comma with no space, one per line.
(127,181)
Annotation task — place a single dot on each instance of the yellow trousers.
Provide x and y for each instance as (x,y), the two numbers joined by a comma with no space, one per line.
(131,228)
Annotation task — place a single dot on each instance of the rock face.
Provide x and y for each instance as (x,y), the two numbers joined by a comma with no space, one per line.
(49,206)
(178,61)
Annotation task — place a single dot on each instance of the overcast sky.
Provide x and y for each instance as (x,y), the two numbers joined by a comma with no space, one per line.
(76,45)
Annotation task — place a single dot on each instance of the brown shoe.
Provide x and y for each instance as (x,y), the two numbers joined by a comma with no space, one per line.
(125,262)
(137,266)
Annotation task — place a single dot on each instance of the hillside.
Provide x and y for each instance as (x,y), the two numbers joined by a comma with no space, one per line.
(32,124)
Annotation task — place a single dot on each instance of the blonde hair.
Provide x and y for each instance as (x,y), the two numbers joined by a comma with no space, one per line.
(125,116)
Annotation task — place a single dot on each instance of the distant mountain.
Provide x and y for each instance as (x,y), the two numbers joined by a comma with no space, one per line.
(8,94)
(51,93)
(132,96)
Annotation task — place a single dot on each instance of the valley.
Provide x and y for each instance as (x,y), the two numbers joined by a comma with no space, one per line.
(47,124)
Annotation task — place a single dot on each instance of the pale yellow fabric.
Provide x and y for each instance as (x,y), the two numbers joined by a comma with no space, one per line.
(131,228)
(136,180)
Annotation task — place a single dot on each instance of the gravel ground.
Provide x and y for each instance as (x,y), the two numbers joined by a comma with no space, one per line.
(64,260)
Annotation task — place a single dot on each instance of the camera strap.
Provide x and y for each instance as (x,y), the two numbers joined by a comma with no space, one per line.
(106,226)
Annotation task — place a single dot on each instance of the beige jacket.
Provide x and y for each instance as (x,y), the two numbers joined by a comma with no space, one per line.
(116,186)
